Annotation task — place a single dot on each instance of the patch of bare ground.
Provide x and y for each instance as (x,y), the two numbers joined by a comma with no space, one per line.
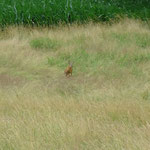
(9,80)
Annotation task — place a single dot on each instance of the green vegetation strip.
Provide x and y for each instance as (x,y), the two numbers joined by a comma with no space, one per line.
(49,12)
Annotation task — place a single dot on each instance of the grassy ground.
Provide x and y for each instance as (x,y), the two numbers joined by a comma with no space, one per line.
(105,105)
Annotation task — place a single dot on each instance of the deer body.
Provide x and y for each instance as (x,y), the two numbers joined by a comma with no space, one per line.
(68,71)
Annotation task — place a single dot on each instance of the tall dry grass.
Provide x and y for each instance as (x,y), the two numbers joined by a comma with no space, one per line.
(103,106)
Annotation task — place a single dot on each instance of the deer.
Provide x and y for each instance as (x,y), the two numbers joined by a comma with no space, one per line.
(68,70)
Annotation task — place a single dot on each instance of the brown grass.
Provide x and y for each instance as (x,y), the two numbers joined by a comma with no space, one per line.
(103,106)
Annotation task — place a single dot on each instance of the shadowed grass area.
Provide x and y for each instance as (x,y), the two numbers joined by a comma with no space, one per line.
(104,105)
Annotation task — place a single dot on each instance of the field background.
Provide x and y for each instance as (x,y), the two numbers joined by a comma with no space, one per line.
(105,105)
(52,12)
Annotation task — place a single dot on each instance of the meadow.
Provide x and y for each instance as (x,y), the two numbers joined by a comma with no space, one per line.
(105,105)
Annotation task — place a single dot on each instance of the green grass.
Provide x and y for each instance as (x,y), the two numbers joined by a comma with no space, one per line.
(142,40)
(52,12)
(104,105)
(45,44)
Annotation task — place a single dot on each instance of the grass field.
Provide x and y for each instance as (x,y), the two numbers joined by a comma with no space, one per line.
(105,105)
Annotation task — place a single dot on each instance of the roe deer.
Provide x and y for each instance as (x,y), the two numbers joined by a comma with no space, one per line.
(68,70)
